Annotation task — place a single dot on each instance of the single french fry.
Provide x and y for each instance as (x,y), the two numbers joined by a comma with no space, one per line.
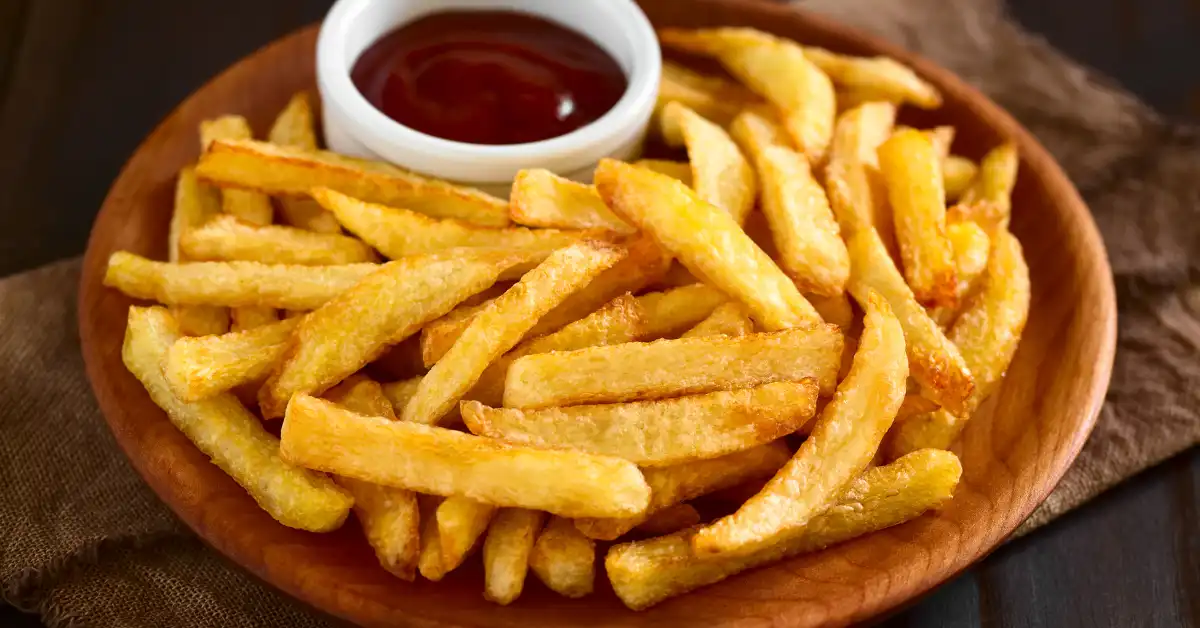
(669,368)
(913,405)
(541,198)
(363,395)
(958,175)
(226,238)
(439,335)
(913,173)
(564,559)
(400,233)
(677,484)
(506,552)
(656,433)
(321,436)
(834,310)
(713,97)
(230,435)
(755,131)
(383,309)
(882,77)
(295,127)
(721,175)
(252,207)
(807,237)
(232,284)
(941,137)
(988,215)
(289,171)
(934,361)
(201,367)
(996,179)
(843,441)
(670,312)
(681,170)
(398,393)
(971,251)
(671,520)
(252,316)
(779,71)
(390,519)
(195,204)
(461,522)
(860,131)
(729,319)
(858,197)
(707,240)
(502,324)
(644,573)
(987,333)
(201,320)
(429,558)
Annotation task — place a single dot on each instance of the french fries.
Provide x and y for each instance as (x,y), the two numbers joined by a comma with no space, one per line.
(707,240)
(721,175)
(503,323)
(674,485)
(841,445)
(996,179)
(294,127)
(987,333)
(251,317)
(670,312)
(860,131)
(232,284)
(779,71)
(506,552)
(429,557)
(564,559)
(834,310)
(195,204)
(390,520)
(231,436)
(541,198)
(644,573)
(401,233)
(681,170)
(882,77)
(321,436)
(656,433)
(669,368)
(225,238)
(934,361)
(958,175)
(381,310)
(670,520)
(287,171)
(729,319)
(713,97)
(197,368)
(461,521)
(250,206)
(363,395)
(914,180)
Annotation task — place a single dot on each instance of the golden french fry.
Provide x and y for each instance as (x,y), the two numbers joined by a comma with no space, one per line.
(834,310)
(320,435)
(779,71)
(674,485)
(858,197)
(721,175)
(439,335)
(294,127)
(502,324)
(201,320)
(914,405)
(996,179)
(670,312)
(363,395)
(754,131)
(941,137)
(958,174)
(644,573)
(707,240)
(398,393)
(843,441)
(461,522)
(390,520)
(197,368)
(673,519)
(383,309)
(225,238)
(506,552)
(669,368)
(859,132)
(882,77)
(230,435)
(400,233)
(231,284)
(987,333)
(252,316)
(713,97)
(934,361)
(429,558)
(971,246)
(807,238)
(564,559)
(988,215)
(541,198)
(656,433)
(914,180)
(681,170)
(289,171)
(195,204)
(252,207)
(729,319)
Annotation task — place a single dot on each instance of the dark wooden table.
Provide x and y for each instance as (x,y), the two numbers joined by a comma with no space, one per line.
(82,81)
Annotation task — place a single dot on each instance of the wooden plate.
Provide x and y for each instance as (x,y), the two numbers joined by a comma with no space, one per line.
(1014,451)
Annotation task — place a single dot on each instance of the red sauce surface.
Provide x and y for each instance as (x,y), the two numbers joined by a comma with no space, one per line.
(489,77)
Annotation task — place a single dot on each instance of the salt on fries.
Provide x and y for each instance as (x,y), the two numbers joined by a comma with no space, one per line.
(643,355)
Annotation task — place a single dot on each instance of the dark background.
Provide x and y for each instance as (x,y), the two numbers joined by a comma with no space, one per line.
(82,81)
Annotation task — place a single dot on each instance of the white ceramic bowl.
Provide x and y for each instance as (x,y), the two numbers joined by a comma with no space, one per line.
(354,126)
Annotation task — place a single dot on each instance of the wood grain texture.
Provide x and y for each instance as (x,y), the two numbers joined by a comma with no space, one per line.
(1014,451)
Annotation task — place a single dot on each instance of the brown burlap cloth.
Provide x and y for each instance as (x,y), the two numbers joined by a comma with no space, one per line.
(86,543)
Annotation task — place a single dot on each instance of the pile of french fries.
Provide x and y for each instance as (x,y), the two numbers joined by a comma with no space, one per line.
(704,366)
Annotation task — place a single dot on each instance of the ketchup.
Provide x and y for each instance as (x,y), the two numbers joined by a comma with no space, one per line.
(489,77)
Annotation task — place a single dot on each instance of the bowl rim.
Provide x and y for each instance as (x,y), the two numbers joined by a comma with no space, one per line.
(1032,153)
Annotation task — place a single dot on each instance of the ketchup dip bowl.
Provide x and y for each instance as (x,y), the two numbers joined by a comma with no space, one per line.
(354,126)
